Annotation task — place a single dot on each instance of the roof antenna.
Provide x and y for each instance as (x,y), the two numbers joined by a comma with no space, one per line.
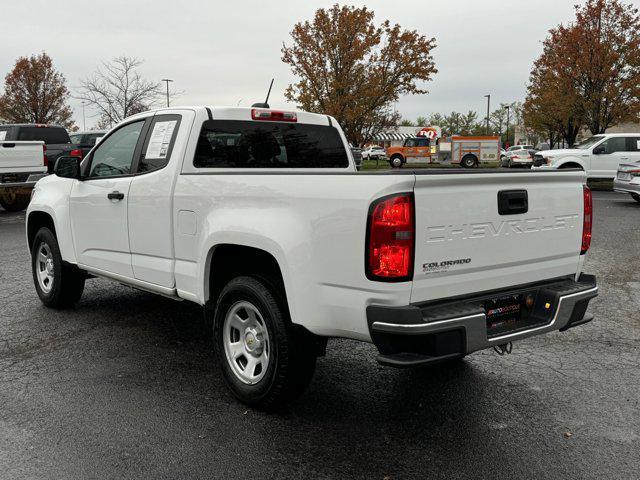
(265,104)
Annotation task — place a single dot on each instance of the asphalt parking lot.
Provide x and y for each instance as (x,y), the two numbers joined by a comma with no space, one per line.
(125,386)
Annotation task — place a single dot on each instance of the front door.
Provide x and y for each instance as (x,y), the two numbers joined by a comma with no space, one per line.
(98,202)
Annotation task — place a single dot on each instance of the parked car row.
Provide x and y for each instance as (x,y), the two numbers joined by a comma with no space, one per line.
(29,151)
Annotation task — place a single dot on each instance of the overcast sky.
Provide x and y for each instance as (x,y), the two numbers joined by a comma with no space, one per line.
(225,52)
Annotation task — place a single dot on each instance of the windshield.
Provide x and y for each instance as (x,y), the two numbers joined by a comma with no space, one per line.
(589,142)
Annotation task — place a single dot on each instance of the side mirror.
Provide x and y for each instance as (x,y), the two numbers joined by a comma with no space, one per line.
(599,150)
(67,167)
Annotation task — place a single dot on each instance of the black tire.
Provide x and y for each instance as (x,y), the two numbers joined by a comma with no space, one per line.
(68,280)
(14,202)
(396,161)
(292,357)
(468,161)
(636,197)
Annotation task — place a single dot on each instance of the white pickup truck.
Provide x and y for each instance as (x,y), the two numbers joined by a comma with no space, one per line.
(599,156)
(22,164)
(259,216)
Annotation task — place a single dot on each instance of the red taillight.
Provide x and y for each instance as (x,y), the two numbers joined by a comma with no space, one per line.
(390,238)
(45,160)
(273,115)
(587,220)
(76,152)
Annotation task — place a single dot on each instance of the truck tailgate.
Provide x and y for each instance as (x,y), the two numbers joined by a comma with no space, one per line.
(23,156)
(465,245)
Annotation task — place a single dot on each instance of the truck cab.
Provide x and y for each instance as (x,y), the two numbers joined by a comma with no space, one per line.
(417,149)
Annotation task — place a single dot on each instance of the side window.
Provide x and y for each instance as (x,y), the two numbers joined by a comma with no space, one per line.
(633,144)
(157,148)
(615,144)
(114,156)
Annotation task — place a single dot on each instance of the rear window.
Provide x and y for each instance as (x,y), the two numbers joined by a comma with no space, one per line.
(251,144)
(48,135)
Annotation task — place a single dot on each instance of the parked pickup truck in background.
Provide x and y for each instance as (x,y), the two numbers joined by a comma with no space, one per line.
(259,216)
(599,156)
(55,138)
(85,141)
(22,164)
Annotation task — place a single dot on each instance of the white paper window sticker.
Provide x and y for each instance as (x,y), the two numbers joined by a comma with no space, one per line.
(638,144)
(3,135)
(160,139)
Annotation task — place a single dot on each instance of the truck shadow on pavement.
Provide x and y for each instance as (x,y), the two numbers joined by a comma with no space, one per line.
(356,418)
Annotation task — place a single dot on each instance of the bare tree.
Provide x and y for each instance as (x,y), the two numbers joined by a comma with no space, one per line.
(116,90)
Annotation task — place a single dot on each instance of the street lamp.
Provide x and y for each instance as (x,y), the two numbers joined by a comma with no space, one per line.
(167,80)
(84,124)
(488,97)
(507,107)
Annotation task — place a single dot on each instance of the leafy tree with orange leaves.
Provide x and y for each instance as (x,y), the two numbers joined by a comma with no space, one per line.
(589,71)
(354,70)
(35,92)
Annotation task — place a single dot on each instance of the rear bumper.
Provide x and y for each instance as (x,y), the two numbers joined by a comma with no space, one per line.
(626,187)
(22,180)
(417,335)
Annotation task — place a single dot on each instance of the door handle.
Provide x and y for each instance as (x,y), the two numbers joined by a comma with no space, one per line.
(115,195)
(512,202)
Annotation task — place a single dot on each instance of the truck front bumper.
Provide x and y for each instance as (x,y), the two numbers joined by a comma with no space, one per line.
(422,334)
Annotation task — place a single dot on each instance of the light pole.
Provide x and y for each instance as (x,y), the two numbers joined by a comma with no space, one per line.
(84,124)
(488,103)
(507,107)
(167,80)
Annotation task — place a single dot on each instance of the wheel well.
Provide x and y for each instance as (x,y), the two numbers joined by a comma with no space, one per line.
(571,165)
(397,155)
(35,222)
(229,261)
(475,158)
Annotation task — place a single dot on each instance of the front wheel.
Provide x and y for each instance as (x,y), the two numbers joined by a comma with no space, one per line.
(636,197)
(59,285)
(396,161)
(14,202)
(264,359)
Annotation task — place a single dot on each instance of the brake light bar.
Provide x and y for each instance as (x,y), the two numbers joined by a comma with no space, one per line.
(391,239)
(273,115)
(587,221)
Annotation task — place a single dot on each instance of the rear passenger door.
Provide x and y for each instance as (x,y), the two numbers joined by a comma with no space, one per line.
(606,164)
(151,198)
(633,149)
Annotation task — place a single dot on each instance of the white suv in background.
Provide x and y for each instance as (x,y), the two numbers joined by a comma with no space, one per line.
(599,156)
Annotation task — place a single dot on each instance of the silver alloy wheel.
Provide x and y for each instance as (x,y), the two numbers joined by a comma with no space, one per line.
(246,342)
(44,267)
(397,162)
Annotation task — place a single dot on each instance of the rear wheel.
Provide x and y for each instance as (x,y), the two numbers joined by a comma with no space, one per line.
(396,161)
(265,360)
(59,285)
(636,197)
(14,202)
(469,161)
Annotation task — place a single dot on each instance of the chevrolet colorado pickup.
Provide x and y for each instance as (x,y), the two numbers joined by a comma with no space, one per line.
(22,164)
(259,216)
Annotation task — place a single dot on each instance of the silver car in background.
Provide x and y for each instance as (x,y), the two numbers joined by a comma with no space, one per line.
(628,180)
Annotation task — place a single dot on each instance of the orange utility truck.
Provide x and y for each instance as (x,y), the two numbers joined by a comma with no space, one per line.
(415,150)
